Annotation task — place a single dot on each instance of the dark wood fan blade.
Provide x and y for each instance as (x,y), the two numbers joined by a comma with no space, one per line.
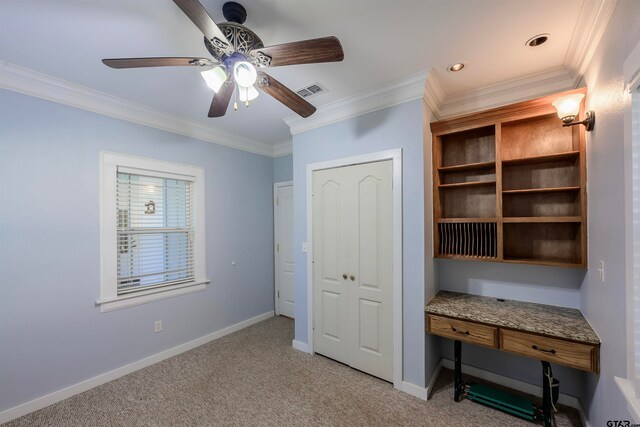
(199,16)
(326,49)
(221,99)
(155,62)
(285,95)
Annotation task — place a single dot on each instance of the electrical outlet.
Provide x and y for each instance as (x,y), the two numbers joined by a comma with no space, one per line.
(158,326)
(601,271)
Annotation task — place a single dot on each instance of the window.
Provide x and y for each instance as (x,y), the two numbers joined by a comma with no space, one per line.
(630,386)
(635,203)
(152,230)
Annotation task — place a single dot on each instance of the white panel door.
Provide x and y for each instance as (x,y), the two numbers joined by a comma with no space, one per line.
(353,240)
(285,292)
(330,264)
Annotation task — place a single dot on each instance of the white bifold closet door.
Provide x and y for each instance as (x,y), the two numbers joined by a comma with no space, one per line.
(352,266)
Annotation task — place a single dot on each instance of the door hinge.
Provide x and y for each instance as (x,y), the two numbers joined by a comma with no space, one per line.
(278,247)
(278,294)
(313,324)
(277,201)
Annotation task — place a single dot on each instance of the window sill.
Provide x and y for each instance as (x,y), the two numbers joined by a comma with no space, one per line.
(143,297)
(633,403)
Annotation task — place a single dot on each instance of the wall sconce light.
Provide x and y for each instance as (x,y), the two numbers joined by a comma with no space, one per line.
(151,207)
(568,108)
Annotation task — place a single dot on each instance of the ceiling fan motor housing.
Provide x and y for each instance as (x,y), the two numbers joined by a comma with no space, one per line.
(242,39)
(234,12)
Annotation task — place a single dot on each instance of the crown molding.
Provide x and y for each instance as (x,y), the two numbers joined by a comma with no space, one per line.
(509,92)
(393,93)
(29,82)
(591,24)
(433,93)
(590,27)
(283,148)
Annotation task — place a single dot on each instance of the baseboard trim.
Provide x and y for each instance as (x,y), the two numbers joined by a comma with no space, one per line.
(518,385)
(415,390)
(59,395)
(300,346)
(434,377)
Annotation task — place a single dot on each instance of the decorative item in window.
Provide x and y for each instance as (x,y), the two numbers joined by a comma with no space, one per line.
(151,207)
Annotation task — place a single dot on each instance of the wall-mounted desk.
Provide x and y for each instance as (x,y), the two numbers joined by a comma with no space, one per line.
(547,333)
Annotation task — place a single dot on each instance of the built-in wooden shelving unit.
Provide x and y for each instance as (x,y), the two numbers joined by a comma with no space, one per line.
(509,185)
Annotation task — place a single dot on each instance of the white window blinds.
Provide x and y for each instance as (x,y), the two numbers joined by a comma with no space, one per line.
(155,223)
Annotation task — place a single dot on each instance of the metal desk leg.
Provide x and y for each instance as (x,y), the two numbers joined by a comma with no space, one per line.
(546,393)
(457,350)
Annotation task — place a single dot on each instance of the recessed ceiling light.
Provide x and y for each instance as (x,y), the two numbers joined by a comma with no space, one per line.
(537,40)
(456,67)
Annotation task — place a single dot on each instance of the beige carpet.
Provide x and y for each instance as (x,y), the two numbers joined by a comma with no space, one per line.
(255,378)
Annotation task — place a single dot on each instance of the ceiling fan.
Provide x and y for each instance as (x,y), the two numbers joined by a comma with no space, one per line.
(238,51)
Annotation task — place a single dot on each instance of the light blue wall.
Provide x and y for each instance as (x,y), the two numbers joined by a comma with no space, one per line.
(396,127)
(51,333)
(604,304)
(540,284)
(283,168)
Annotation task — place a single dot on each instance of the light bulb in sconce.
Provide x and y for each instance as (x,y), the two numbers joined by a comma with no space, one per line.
(248,93)
(568,108)
(244,73)
(215,78)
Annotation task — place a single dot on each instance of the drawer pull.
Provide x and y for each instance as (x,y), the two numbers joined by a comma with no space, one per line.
(535,347)
(459,332)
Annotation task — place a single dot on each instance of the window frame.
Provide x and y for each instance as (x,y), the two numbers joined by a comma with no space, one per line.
(109,162)
(630,386)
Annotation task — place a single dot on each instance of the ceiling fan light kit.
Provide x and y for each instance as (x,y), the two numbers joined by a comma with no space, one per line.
(244,73)
(215,78)
(237,52)
(248,93)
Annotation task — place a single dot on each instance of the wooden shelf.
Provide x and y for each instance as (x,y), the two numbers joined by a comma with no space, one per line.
(448,220)
(567,155)
(544,261)
(542,219)
(541,190)
(509,186)
(467,184)
(468,167)
(468,258)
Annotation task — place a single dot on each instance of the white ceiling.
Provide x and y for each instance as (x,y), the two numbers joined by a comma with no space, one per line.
(383,41)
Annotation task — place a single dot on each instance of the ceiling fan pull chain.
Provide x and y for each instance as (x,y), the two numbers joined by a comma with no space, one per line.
(235,100)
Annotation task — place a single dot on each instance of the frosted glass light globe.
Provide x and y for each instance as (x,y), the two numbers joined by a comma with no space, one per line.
(248,93)
(244,73)
(568,106)
(214,78)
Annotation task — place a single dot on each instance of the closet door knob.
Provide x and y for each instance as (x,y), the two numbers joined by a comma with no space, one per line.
(352,277)
(344,276)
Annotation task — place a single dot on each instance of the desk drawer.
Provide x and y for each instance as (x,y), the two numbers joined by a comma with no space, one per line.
(470,332)
(568,353)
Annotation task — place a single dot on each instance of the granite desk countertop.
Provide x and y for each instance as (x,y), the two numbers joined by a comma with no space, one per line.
(561,322)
